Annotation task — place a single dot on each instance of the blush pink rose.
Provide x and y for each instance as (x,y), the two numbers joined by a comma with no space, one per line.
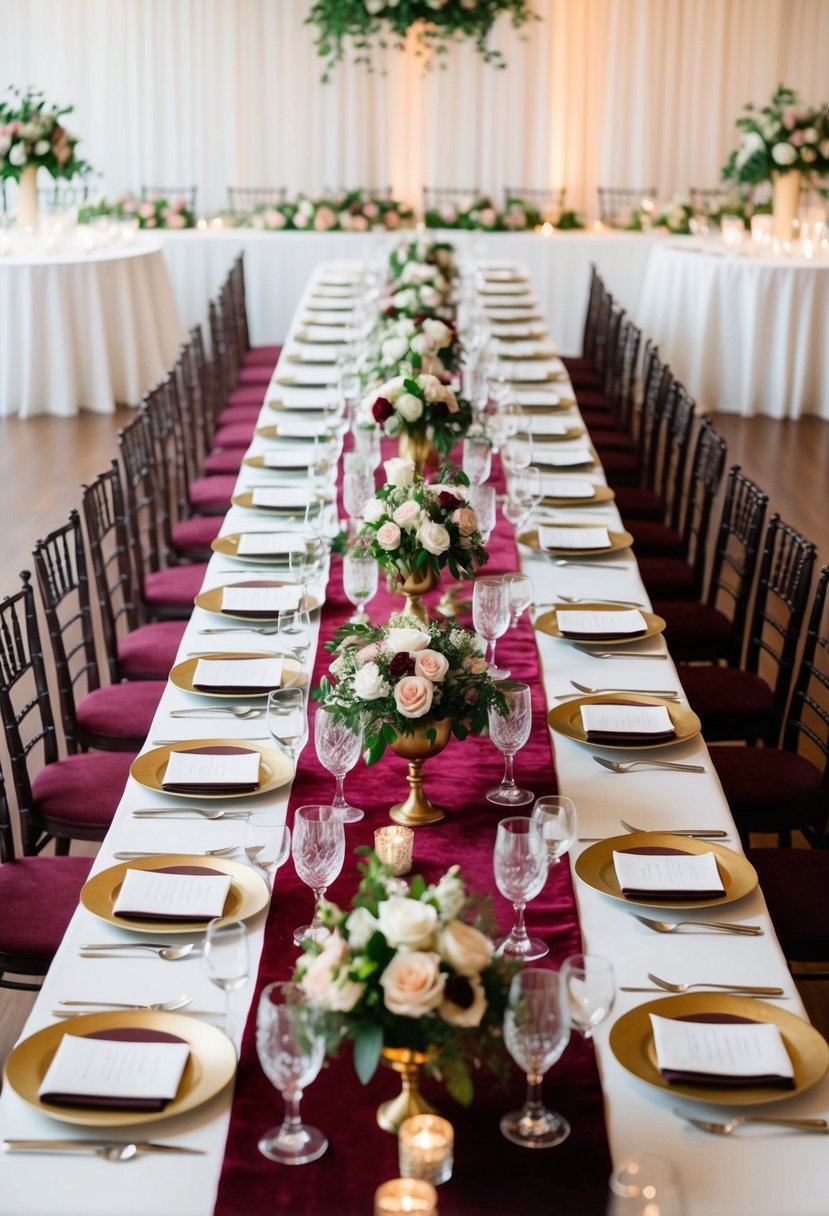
(431,665)
(466,519)
(388,537)
(413,696)
(368,653)
(408,515)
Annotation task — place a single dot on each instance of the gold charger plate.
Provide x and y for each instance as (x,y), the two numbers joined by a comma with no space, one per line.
(275,769)
(228,545)
(565,719)
(631,1041)
(293,382)
(595,867)
(314,412)
(302,335)
(247,894)
(211,1066)
(572,432)
(245,500)
(548,623)
(258,462)
(272,431)
(182,674)
(603,494)
(618,541)
(211,601)
(549,353)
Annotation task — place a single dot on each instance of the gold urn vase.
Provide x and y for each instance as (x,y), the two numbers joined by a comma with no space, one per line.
(417,811)
(407,1064)
(416,447)
(415,585)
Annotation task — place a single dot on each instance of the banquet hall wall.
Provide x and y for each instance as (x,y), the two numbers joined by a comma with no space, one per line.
(227,92)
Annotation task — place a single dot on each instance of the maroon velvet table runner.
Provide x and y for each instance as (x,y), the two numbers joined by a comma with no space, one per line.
(490,1175)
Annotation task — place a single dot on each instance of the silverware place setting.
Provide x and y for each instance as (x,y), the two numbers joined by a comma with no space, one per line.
(110,1150)
(711,926)
(170,953)
(733,989)
(266,631)
(246,712)
(629,766)
(694,833)
(184,812)
(620,654)
(725,1129)
(137,854)
(178,1002)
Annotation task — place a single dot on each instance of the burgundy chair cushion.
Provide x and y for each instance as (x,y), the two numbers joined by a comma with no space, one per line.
(42,893)
(636,503)
(255,375)
(81,793)
(694,632)
(121,711)
(732,704)
(262,354)
(603,420)
(763,782)
(795,882)
(668,578)
(593,399)
(244,415)
(176,587)
(621,468)
(656,539)
(194,534)
(252,395)
(148,653)
(224,460)
(611,441)
(234,435)
(212,494)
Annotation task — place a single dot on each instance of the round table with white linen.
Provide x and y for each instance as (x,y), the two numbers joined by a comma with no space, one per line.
(84,330)
(746,335)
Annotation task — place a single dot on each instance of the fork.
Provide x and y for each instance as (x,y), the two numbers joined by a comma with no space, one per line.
(653,692)
(565,561)
(234,711)
(671,766)
(664,926)
(583,599)
(725,1129)
(171,1006)
(242,739)
(620,654)
(266,631)
(179,812)
(136,854)
(711,833)
(749,989)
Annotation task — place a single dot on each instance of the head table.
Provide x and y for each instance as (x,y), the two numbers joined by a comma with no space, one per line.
(751,1174)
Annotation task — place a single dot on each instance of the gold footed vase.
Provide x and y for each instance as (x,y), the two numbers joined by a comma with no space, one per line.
(786,196)
(416,585)
(417,448)
(407,1064)
(417,811)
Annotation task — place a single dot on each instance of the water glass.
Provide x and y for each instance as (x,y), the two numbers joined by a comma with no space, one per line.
(536,1031)
(509,734)
(520,596)
(291,1050)
(227,959)
(520,866)
(294,630)
(517,450)
(490,614)
(318,850)
(646,1185)
(523,497)
(288,720)
(591,990)
(358,488)
(360,576)
(267,842)
(338,750)
(481,499)
(557,816)
(477,460)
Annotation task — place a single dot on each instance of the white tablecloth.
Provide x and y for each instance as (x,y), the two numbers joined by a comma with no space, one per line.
(85,331)
(746,335)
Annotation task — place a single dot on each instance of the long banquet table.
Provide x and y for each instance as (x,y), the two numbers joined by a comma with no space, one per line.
(763,1174)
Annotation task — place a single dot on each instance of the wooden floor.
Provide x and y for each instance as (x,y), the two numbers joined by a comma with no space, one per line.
(44,461)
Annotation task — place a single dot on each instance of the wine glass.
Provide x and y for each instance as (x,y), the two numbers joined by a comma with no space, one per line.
(318,850)
(338,750)
(267,842)
(360,575)
(294,630)
(536,1031)
(520,596)
(481,499)
(299,564)
(490,614)
(226,958)
(358,488)
(288,720)
(523,497)
(520,865)
(645,1185)
(517,450)
(477,460)
(591,989)
(509,734)
(291,1050)
(557,816)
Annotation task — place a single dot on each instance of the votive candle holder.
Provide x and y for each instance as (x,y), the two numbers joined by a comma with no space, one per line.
(406,1195)
(425,1145)
(393,845)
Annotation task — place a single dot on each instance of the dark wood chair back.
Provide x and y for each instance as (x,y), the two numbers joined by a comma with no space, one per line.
(736,554)
(807,722)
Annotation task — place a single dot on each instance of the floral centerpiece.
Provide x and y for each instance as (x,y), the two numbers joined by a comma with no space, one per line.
(518,215)
(410,970)
(150,212)
(675,217)
(426,345)
(419,252)
(422,410)
(32,136)
(351,211)
(436,24)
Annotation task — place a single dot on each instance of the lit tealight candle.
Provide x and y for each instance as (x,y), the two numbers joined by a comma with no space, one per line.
(425,1144)
(394,848)
(405,1195)
(547,228)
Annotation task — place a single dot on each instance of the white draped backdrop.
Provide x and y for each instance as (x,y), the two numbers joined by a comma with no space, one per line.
(226,92)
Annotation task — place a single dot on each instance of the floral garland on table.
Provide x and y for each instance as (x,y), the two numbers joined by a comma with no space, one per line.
(411,966)
(151,212)
(419,405)
(481,213)
(436,24)
(390,677)
(32,135)
(676,217)
(783,135)
(439,254)
(426,344)
(354,211)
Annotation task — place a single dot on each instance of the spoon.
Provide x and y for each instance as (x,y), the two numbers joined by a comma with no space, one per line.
(177,1002)
(750,989)
(170,954)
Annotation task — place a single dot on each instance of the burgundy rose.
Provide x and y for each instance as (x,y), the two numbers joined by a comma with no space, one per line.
(448,501)
(440,409)
(402,664)
(382,409)
(390,312)
(459,991)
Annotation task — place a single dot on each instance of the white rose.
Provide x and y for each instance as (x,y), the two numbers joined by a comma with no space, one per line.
(404,299)
(752,142)
(388,536)
(42,147)
(373,7)
(433,537)
(360,926)
(421,344)
(392,389)
(449,894)
(17,156)
(465,948)
(374,510)
(399,472)
(783,154)
(413,984)
(410,640)
(409,407)
(429,297)
(408,515)
(326,981)
(407,922)
(469,1013)
(393,350)
(369,683)
(440,333)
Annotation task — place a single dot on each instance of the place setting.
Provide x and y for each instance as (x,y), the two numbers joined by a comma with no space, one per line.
(289,501)
(212,769)
(260,601)
(578,540)
(231,674)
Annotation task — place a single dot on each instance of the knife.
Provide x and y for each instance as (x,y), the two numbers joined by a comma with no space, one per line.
(93,1146)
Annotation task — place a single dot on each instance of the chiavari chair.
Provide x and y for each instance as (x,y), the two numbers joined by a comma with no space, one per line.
(266,354)
(647,499)
(188,194)
(618,204)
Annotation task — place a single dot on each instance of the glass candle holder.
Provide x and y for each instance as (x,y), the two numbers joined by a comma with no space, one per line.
(394,848)
(406,1195)
(425,1144)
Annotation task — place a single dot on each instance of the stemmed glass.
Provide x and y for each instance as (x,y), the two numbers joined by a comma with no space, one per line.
(591,989)
(490,614)
(291,1050)
(288,720)
(294,630)
(523,497)
(358,488)
(477,460)
(520,596)
(517,450)
(318,850)
(360,575)
(481,499)
(226,958)
(536,1031)
(557,817)
(509,734)
(520,865)
(338,750)
(267,842)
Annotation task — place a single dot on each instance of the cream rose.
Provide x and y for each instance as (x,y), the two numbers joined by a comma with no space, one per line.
(388,537)
(465,948)
(374,510)
(466,519)
(449,895)
(326,982)
(369,683)
(421,344)
(405,922)
(433,537)
(413,696)
(406,639)
(464,1015)
(438,331)
(394,349)
(360,926)
(413,984)
(409,407)
(399,472)
(408,515)
(431,665)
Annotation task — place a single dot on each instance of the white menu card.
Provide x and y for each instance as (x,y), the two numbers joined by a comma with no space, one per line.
(604,624)
(266,601)
(299,428)
(537,399)
(560,487)
(550,537)
(238,673)
(172,896)
(270,544)
(565,460)
(721,1049)
(612,718)
(110,1068)
(191,768)
(668,873)
(292,458)
(288,498)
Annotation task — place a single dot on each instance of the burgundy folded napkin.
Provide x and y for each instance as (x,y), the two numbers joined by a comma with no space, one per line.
(256,616)
(242,690)
(125,1034)
(611,738)
(198,788)
(201,871)
(660,850)
(603,637)
(714,1080)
